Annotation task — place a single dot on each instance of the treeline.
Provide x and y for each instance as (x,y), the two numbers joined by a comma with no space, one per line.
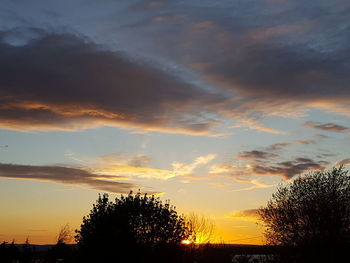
(68,253)
(28,253)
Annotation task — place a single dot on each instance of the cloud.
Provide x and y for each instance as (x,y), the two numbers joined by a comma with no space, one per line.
(278,62)
(133,172)
(65,81)
(248,166)
(249,214)
(238,173)
(139,160)
(278,146)
(286,59)
(255,184)
(65,175)
(281,145)
(126,166)
(269,162)
(289,169)
(183,169)
(221,168)
(255,155)
(327,126)
(253,124)
(306,142)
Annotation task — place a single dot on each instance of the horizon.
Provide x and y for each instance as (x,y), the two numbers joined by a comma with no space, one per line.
(210,105)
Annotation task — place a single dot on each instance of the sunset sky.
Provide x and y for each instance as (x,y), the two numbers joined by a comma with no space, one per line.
(210,104)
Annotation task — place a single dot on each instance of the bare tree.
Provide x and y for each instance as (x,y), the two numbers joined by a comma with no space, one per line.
(201,228)
(65,235)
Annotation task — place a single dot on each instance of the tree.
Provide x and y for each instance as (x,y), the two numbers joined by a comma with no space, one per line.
(133,222)
(201,228)
(65,235)
(312,212)
(61,251)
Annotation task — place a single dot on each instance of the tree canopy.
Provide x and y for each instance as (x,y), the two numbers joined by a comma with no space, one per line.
(311,211)
(130,222)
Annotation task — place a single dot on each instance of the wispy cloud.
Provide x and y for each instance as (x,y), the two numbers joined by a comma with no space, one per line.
(255,184)
(126,166)
(254,124)
(327,126)
(187,169)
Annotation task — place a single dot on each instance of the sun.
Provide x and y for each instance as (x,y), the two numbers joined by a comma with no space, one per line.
(185,242)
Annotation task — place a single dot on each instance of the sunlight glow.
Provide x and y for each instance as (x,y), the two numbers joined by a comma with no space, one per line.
(185,242)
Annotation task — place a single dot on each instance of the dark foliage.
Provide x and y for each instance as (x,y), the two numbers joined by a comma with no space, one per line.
(133,227)
(311,215)
(8,252)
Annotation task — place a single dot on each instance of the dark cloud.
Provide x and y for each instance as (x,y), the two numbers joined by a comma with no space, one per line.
(269,59)
(256,155)
(65,175)
(63,81)
(289,169)
(281,145)
(268,162)
(272,57)
(327,126)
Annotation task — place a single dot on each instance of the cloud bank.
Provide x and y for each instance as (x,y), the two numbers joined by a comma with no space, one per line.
(150,66)
(63,81)
(65,175)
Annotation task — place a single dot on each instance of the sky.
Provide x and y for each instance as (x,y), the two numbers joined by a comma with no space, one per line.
(208,104)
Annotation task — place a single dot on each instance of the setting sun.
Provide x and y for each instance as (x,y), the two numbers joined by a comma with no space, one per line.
(185,242)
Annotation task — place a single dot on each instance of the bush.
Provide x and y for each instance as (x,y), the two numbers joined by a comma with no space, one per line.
(133,227)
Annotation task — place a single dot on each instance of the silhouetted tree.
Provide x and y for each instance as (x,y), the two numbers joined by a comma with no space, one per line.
(65,235)
(8,252)
(27,253)
(133,227)
(201,228)
(61,251)
(312,213)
